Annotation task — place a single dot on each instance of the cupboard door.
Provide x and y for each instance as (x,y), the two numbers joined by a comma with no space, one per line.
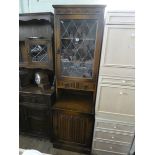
(119,50)
(118,53)
(38,121)
(116,100)
(39,53)
(72,127)
(77,48)
(22,119)
(125,18)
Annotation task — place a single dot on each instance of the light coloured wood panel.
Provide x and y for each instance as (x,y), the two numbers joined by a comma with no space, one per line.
(115,99)
(117,72)
(117,118)
(101,152)
(113,136)
(118,46)
(120,18)
(115,126)
(116,81)
(111,146)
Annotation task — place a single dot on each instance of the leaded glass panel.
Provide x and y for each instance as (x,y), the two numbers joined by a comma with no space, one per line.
(38,53)
(78,39)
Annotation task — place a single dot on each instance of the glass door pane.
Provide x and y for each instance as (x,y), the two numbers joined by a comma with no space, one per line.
(38,53)
(78,39)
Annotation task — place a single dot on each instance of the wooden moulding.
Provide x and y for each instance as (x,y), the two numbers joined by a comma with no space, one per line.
(79,9)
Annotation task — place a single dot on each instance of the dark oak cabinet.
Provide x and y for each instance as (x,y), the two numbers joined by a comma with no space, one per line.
(35,121)
(68,118)
(78,38)
(77,130)
(39,53)
(36,72)
(36,53)
(36,40)
(34,112)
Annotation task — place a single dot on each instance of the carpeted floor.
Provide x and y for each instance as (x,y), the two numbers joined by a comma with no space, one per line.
(42,145)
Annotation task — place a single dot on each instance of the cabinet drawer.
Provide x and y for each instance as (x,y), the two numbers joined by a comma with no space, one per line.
(100,152)
(31,98)
(120,18)
(114,136)
(76,85)
(85,86)
(114,126)
(117,72)
(113,147)
(115,99)
(116,81)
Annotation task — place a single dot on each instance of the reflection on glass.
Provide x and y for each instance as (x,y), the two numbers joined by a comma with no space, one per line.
(78,39)
(38,53)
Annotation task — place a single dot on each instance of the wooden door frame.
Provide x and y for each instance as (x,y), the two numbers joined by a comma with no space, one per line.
(97,51)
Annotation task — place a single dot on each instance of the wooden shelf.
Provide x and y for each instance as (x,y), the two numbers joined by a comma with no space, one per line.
(36,90)
(79,39)
(73,102)
(28,66)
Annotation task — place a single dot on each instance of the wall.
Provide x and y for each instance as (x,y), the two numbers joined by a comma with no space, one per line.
(46,5)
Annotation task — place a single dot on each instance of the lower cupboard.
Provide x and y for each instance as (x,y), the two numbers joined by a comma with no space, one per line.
(72,129)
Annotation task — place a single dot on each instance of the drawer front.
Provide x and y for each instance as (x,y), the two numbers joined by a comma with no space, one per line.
(113,147)
(117,118)
(115,99)
(117,72)
(114,136)
(101,152)
(114,126)
(31,98)
(76,85)
(119,46)
(116,81)
(120,18)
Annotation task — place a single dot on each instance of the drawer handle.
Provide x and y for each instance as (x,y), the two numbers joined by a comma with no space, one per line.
(102,79)
(115,127)
(130,46)
(110,147)
(121,93)
(132,35)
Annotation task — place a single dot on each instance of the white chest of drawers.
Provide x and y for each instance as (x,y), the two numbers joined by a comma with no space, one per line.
(114,121)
